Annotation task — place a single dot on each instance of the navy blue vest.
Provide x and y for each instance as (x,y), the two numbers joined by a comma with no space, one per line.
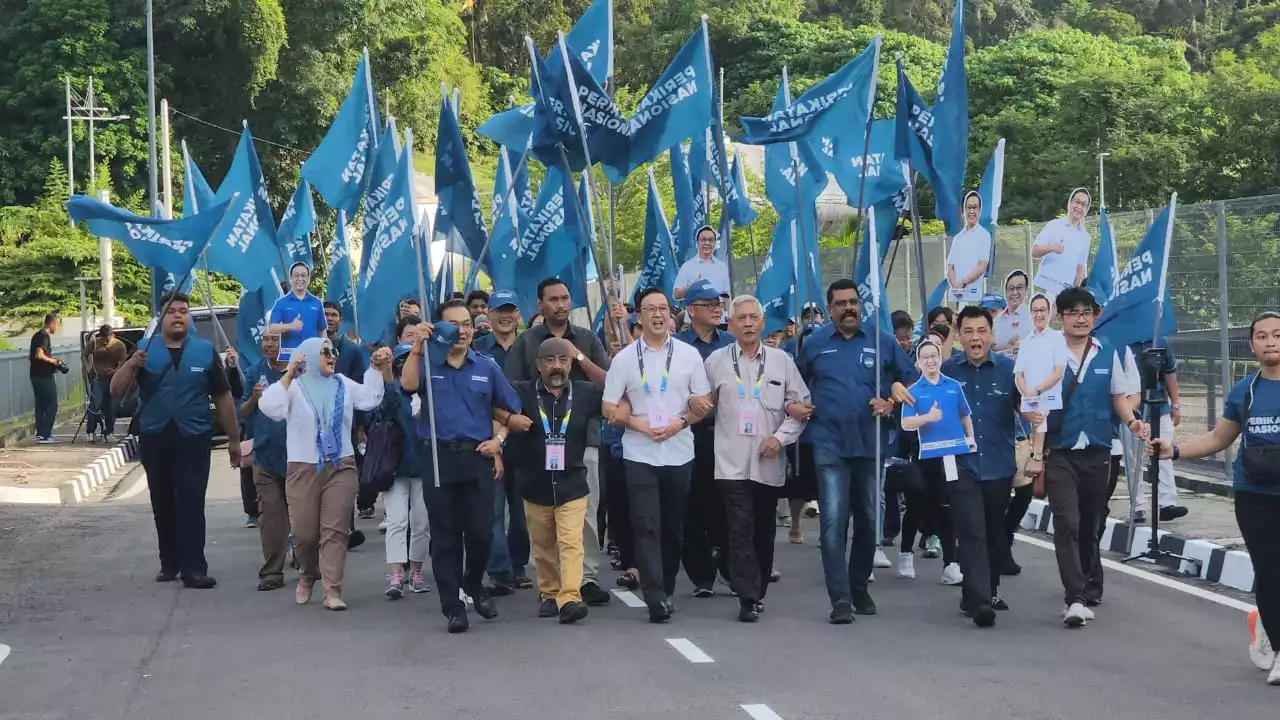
(1089,408)
(178,395)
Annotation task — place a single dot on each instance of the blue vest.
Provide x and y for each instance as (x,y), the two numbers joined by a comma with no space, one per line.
(179,395)
(1088,409)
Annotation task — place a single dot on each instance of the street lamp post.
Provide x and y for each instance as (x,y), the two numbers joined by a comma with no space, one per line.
(152,182)
(1102,179)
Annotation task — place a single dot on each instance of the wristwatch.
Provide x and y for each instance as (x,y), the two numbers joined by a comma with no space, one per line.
(1038,457)
(579,357)
(684,421)
(1177,452)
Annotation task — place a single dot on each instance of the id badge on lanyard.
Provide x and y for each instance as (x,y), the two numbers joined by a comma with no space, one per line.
(555,443)
(749,410)
(659,416)
(555,455)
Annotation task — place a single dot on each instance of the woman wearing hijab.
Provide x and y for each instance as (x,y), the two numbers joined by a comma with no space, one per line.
(320,484)
(1063,247)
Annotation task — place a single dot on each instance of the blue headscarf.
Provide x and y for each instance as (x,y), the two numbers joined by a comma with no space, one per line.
(327,396)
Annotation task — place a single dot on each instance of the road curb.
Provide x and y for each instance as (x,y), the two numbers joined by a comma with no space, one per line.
(77,489)
(1206,560)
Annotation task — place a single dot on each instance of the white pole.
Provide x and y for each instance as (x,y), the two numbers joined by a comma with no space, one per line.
(166,164)
(422,302)
(368,84)
(71,156)
(92,113)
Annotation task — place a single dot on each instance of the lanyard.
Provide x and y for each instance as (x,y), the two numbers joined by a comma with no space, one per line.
(755,390)
(666,372)
(564,422)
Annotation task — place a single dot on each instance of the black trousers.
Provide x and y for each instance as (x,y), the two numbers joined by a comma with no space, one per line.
(704,519)
(248,492)
(1259,518)
(45,392)
(460,512)
(1076,482)
(657,497)
(977,511)
(749,510)
(892,514)
(613,472)
(929,511)
(1018,506)
(177,470)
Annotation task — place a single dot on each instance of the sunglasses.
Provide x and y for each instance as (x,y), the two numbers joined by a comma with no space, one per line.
(328,352)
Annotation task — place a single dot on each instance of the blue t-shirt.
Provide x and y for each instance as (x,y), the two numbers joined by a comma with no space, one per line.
(946,436)
(309,309)
(1263,427)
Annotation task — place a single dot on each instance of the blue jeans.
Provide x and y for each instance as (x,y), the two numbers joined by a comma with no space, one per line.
(510,552)
(102,407)
(846,490)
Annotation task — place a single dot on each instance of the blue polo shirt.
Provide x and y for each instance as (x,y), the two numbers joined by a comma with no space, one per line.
(464,398)
(841,375)
(488,344)
(268,435)
(291,307)
(719,338)
(940,438)
(1262,428)
(994,401)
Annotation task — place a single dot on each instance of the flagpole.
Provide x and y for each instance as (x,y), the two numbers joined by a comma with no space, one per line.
(873,273)
(866,146)
(422,303)
(373,115)
(915,231)
(208,300)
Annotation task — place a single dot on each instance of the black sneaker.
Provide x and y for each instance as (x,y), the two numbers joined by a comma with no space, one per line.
(998,603)
(547,608)
(1009,567)
(522,582)
(863,604)
(841,614)
(166,576)
(1172,512)
(984,616)
(593,594)
(355,539)
(366,514)
(500,590)
(458,623)
(748,614)
(1140,518)
(775,576)
(199,582)
(485,607)
(1092,602)
(704,592)
(759,606)
(572,612)
(659,613)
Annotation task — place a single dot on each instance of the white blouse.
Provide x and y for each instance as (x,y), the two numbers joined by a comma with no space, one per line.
(292,406)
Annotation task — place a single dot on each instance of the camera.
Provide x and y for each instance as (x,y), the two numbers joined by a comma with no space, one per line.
(63,368)
(1151,368)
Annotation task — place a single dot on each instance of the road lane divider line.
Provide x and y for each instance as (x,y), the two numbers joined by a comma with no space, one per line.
(691,652)
(629,598)
(760,711)
(4,653)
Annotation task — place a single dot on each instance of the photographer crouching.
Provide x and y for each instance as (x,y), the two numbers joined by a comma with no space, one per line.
(43,386)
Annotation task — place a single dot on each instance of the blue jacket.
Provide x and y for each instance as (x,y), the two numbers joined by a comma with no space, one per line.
(269,436)
(1088,409)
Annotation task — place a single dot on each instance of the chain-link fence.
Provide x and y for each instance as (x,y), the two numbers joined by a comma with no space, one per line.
(1224,269)
(16,397)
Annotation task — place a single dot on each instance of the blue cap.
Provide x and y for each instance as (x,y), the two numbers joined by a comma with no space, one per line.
(993,301)
(443,337)
(701,291)
(502,298)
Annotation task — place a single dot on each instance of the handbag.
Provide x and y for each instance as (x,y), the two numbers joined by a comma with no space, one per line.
(1261,463)
(1053,422)
(903,477)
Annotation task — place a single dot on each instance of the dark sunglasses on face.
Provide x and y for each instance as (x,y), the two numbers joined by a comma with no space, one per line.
(328,352)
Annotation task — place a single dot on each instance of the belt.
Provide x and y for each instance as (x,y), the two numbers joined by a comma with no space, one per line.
(455,445)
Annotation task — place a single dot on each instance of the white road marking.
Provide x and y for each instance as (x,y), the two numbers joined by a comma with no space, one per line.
(1160,580)
(137,489)
(690,651)
(629,598)
(4,653)
(761,711)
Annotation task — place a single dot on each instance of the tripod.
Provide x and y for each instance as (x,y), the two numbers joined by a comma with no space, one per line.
(1154,399)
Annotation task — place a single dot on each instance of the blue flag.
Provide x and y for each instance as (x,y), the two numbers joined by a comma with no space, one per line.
(1142,289)
(245,245)
(172,247)
(509,128)
(936,299)
(841,155)
(381,178)
(951,129)
(338,288)
(776,286)
(690,210)
(677,107)
(391,273)
(658,266)
(555,127)
(1102,275)
(839,104)
(740,209)
(555,234)
(196,193)
(991,192)
(506,219)
(591,40)
(786,164)
(251,322)
(607,129)
(459,208)
(867,274)
(337,167)
(294,233)
(914,136)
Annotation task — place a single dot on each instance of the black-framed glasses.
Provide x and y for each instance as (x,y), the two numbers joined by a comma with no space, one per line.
(328,352)
(1077,314)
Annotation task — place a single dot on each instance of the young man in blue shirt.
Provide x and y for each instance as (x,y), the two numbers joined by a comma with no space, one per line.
(839,362)
(298,315)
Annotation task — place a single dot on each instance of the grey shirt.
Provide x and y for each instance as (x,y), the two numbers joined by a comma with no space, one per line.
(738,455)
(522,360)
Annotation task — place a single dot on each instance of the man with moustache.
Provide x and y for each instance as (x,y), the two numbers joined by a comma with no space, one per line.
(269,464)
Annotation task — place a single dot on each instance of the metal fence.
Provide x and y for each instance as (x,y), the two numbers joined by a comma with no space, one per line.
(16,399)
(1224,269)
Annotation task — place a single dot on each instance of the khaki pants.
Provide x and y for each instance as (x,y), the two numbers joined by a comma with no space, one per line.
(555,537)
(273,522)
(1021,454)
(320,506)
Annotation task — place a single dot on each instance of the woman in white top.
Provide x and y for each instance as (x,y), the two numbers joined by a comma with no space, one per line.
(1042,361)
(320,481)
(1063,247)
(970,254)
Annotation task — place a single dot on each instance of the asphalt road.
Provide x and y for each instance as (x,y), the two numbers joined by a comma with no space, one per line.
(92,636)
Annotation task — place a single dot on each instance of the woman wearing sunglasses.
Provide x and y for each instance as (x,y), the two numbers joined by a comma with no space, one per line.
(320,484)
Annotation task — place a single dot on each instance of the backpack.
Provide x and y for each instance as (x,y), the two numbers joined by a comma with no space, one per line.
(384,447)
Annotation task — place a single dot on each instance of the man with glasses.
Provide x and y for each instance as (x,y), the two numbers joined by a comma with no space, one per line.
(656,389)
(1013,322)
(1077,439)
(704,266)
(704,520)
(297,315)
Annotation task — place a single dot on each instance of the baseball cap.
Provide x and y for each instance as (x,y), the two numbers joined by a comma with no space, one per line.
(701,291)
(993,301)
(443,337)
(501,298)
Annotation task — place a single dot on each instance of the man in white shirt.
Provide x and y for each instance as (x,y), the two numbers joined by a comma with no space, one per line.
(655,389)
(704,266)
(970,255)
(1012,323)
(1063,247)
(1042,362)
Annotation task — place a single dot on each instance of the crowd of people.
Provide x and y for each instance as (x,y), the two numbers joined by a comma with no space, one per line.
(655,444)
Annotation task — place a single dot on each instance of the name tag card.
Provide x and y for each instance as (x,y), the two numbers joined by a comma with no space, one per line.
(658,415)
(949,468)
(555,456)
(748,421)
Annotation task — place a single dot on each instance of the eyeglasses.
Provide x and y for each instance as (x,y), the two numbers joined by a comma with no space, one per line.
(328,352)
(1077,314)
(654,310)
(714,305)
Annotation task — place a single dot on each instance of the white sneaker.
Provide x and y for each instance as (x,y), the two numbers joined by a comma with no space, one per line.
(1260,650)
(1273,678)
(811,509)
(1088,613)
(871,578)
(1074,616)
(951,574)
(907,565)
(382,527)
(882,560)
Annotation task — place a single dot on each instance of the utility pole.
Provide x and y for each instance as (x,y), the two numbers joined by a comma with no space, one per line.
(71,152)
(166,160)
(84,109)
(1102,180)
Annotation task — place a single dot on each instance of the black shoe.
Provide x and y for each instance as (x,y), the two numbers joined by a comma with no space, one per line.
(1010,568)
(775,576)
(984,616)
(522,582)
(748,614)
(841,614)
(998,603)
(593,594)
(704,592)
(1092,602)
(500,590)
(547,608)
(458,623)
(1140,518)
(659,613)
(266,585)
(366,514)
(670,605)
(199,582)
(572,612)
(355,539)
(485,607)
(863,604)
(166,576)
(759,607)
(1172,512)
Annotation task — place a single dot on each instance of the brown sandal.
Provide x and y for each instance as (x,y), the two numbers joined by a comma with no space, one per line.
(629,580)
(796,538)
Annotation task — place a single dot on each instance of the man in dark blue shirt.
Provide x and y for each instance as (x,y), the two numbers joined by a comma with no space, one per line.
(841,363)
(980,494)
(705,526)
(466,388)
(352,360)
